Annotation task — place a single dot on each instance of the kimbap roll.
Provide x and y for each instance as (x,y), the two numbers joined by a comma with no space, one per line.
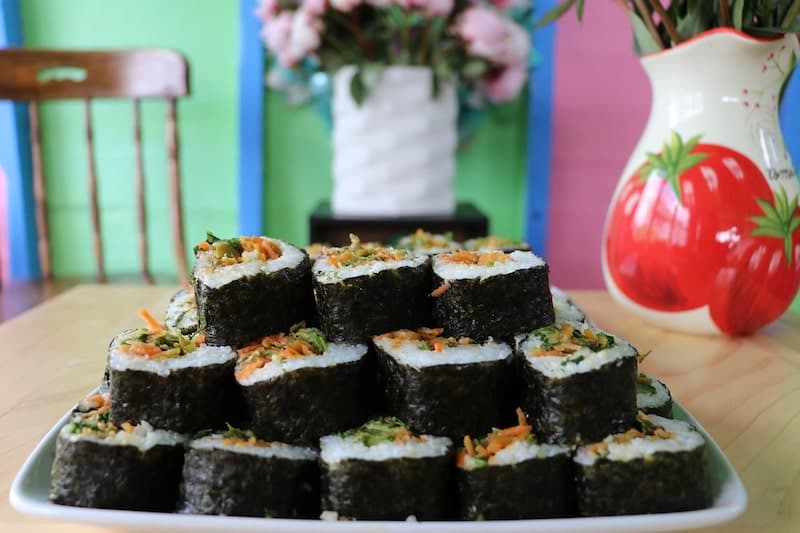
(566,309)
(659,467)
(580,382)
(168,379)
(652,396)
(428,243)
(494,242)
(298,387)
(233,473)
(490,294)
(362,291)
(383,471)
(248,287)
(509,475)
(182,313)
(444,386)
(108,466)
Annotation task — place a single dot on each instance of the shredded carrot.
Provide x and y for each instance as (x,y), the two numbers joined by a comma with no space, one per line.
(521,418)
(152,323)
(438,346)
(203,245)
(441,289)
(460,458)
(515,431)
(468,445)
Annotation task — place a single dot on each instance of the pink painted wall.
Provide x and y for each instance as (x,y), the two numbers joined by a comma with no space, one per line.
(600,106)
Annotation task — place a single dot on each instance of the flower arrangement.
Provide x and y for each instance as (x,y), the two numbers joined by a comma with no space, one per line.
(480,44)
(658,25)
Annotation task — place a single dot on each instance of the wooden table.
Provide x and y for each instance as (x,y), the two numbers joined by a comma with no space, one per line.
(746,392)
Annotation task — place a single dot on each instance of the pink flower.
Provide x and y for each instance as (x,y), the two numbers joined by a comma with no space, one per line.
(266,10)
(315,8)
(506,85)
(345,5)
(276,32)
(438,8)
(490,35)
(304,38)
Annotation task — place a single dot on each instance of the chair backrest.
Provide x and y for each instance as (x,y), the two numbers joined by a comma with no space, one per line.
(34,75)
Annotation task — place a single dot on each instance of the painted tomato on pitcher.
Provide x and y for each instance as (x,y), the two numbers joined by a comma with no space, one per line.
(686,215)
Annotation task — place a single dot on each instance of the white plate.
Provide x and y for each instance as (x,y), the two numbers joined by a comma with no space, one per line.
(31,486)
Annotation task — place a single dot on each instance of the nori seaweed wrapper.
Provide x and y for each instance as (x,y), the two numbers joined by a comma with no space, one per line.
(90,474)
(253,306)
(302,405)
(662,409)
(224,482)
(662,483)
(499,306)
(534,488)
(582,407)
(187,400)
(393,489)
(449,399)
(354,309)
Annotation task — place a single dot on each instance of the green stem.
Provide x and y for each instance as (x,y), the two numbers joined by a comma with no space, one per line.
(792,14)
(725,13)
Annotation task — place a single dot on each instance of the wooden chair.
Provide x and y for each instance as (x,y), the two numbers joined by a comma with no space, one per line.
(129,74)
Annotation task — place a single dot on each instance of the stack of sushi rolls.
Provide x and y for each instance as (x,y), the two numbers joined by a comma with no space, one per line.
(383,471)
(108,466)
(509,475)
(495,242)
(660,466)
(181,312)
(170,380)
(431,381)
(490,294)
(362,291)
(234,473)
(580,382)
(428,243)
(297,386)
(248,287)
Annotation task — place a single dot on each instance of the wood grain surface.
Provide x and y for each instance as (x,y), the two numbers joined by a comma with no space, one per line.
(746,392)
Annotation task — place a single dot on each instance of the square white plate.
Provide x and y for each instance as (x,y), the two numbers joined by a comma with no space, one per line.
(31,486)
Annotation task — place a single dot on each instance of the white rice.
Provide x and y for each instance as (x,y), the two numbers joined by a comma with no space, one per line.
(327,273)
(272,449)
(656,399)
(555,366)
(335,449)
(517,261)
(143,437)
(519,451)
(408,353)
(182,311)
(217,276)
(204,355)
(335,354)
(685,439)
(565,308)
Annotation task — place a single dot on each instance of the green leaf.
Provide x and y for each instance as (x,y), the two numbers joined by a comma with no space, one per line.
(357,88)
(474,68)
(692,143)
(738,13)
(690,161)
(768,209)
(767,232)
(579,9)
(794,224)
(555,13)
(644,42)
(782,204)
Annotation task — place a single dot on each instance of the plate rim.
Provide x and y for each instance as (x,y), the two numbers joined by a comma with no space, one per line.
(157,521)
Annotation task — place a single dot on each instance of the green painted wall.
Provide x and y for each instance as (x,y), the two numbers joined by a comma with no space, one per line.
(491,168)
(206,32)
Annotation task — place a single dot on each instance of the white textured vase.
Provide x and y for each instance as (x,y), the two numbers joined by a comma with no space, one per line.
(394,155)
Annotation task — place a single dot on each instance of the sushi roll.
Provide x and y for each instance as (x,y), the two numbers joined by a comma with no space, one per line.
(298,387)
(383,471)
(660,466)
(580,382)
(182,313)
(248,287)
(509,475)
(362,291)
(108,466)
(490,294)
(235,474)
(428,243)
(431,381)
(652,396)
(566,309)
(168,379)
(494,242)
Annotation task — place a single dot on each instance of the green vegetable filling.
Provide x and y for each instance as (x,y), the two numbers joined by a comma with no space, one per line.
(378,430)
